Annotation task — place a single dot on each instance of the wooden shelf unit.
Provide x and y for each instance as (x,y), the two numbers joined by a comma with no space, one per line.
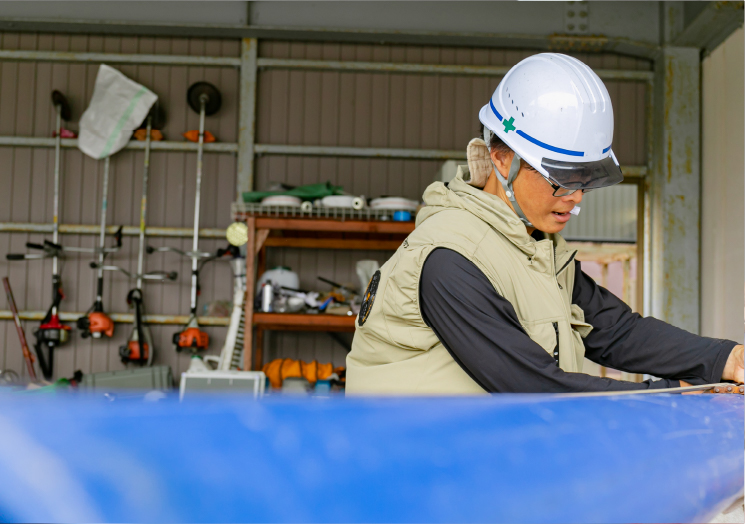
(309,233)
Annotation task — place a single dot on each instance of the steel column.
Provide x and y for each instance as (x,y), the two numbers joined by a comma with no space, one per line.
(247,121)
(675,187)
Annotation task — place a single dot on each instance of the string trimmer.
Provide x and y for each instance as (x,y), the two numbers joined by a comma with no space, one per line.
(139,348)
(96,323)
(51,333)
(205,99)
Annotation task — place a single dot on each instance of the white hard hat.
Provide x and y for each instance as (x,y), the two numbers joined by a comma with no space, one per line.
(555,113)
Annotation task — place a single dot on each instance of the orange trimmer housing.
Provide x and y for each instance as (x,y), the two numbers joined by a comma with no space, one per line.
(100,323)
(192,337)
(132,350)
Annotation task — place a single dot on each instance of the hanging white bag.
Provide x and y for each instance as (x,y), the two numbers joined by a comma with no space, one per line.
(118,107)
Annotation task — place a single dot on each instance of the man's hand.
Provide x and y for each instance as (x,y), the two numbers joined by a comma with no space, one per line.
(733,369)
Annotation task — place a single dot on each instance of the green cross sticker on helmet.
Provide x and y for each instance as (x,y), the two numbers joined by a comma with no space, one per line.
(508,125)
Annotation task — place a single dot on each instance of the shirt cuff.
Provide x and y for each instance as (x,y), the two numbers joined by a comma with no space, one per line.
(721,361)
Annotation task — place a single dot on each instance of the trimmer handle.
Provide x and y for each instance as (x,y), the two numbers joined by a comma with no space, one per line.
(15,256)
(118,236)
(31,245)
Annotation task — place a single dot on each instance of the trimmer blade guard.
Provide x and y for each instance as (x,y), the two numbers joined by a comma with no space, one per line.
(58,99)
(214,99)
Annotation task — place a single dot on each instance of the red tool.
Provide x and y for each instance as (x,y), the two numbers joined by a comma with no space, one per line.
(27,356)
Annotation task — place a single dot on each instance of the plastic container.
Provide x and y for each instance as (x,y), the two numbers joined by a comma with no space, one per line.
(401,216)
(280,276)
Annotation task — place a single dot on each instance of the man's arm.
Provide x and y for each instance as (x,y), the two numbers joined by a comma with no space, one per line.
(624,340)
(482,333)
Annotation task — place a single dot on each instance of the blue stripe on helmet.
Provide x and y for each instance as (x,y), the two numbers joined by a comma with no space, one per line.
(606,149)
(538,142)
(550,148)
(495,110)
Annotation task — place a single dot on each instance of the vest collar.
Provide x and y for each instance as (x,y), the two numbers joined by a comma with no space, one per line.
(492,210)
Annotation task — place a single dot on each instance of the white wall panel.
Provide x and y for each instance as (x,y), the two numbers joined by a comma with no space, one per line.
(723,191)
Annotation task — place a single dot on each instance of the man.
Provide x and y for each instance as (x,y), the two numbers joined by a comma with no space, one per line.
(484,296)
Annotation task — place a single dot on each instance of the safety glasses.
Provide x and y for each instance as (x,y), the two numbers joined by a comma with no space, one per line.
(562,191)
(568,177)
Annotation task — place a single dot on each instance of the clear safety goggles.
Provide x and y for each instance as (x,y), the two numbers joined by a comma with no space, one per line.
(569,177)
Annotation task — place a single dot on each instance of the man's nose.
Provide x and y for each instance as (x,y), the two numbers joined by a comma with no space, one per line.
(575,197)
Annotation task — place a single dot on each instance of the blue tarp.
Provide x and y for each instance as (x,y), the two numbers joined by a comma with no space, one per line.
(504,458)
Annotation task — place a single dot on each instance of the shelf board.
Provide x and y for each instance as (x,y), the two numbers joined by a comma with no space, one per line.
(333,243)
(303,322)
(341,226)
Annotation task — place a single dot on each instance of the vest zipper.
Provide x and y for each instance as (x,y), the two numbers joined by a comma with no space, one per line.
(566,264)
(556,349)
(568,313)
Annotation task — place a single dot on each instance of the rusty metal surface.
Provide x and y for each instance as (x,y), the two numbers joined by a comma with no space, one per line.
(675,191)
(247,119)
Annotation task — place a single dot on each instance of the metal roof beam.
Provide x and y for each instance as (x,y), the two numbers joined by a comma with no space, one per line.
(553,42)
(712,26)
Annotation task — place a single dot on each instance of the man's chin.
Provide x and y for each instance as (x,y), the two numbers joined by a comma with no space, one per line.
(551,226)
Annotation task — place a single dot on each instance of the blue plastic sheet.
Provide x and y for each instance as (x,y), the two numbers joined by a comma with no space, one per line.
(505,458)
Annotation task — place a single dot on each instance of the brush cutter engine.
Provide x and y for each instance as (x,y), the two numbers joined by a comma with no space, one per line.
(191,338)
(53,333)
(96,324)
(135,352)
(137,349)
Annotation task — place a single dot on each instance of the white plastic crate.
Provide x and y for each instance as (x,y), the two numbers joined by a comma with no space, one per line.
(223,382)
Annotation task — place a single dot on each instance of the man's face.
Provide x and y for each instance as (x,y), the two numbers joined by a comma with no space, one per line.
(536,197)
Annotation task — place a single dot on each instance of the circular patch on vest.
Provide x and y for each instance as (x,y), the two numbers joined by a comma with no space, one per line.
(369,298)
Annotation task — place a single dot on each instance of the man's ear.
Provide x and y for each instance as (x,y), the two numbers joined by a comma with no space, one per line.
(502,162)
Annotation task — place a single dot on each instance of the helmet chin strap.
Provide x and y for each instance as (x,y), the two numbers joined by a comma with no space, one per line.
(507,183)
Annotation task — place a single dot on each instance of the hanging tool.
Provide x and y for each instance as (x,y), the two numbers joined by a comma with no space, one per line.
(205,99)
(96,323)
(139,348)
(27,356)
(51,333)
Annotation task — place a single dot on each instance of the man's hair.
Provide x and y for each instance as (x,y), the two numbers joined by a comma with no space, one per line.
(496,144)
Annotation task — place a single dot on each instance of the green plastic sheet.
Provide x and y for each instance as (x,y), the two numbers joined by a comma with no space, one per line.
(306,192)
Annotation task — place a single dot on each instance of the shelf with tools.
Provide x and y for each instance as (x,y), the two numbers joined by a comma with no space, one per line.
(311,233)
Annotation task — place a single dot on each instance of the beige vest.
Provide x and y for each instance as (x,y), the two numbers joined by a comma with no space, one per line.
(394,352)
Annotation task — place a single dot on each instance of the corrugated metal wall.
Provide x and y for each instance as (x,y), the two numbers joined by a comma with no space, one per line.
(294,107)
(26,177)
(722,214)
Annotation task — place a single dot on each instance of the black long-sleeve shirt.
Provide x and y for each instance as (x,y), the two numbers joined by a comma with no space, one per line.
(481,331)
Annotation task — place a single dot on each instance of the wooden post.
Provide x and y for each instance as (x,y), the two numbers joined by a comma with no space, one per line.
(259,355)
(627,283)
(250,293)
(604,274)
